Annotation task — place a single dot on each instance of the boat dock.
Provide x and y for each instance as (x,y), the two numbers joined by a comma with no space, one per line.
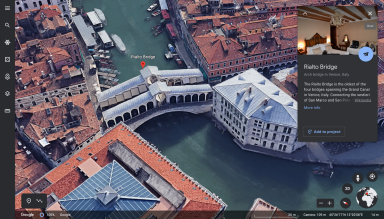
(106,74)
(108,78)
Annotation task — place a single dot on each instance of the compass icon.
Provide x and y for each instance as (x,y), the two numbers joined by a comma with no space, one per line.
(372,176)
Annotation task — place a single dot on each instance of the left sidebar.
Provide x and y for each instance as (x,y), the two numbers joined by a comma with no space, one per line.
(7,106)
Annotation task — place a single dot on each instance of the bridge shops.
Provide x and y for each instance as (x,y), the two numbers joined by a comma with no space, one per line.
(139,84)
(158,96)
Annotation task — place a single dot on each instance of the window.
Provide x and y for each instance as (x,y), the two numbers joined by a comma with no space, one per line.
(249,59)
(217,72)
(243,128)
(211,73)
(223,71)
(17,3)
(285,130)
(284,59)
(280,146)
(286,138)
(289,58)
(254,65)
(34,4)
(242,67)
(21,105)
(285,147)
(266,135)
(242,136)
(274,136)
(261,56)
(34,103)
(230,63)
(255,57)
(289,131)
(236,68)
(264,143)
(25,5)
(274,54)
(212,66)
(243,60)
(268,125)
(230,70)
(64,8)
(272,144)
(282,137)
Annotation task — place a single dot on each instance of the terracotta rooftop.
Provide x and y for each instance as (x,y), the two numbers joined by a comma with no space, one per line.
(227,2)
(57,54)
(22,53)
(29,72)
(46,116)
(25,14)
(381,47)
(193,9)
(381,90)
(27,168)
(59,41)
(58,21)
(47,12)
(48,24)
(65,177)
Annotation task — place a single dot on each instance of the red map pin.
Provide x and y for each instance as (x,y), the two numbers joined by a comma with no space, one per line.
(142,64)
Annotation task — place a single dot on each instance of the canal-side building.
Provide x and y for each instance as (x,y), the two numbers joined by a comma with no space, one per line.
(256,112)
(124,171)
(230,46)
(24,5)
(286,80)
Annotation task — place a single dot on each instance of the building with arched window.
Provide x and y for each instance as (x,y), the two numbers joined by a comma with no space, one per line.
(65,6)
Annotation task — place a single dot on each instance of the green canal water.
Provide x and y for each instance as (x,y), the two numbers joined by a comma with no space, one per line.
(126,19)
(202,151)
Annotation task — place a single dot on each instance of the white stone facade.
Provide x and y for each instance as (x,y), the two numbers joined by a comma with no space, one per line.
(255,132)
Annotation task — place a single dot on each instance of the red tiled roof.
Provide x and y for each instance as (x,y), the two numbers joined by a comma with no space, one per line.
(99,148)
(22,53)
(216,22)
(380,90)
(59,41)
(57,54)
(58,21)
(380,45)
(195,210)
(18,198)
(34,70)
(227,2)
(47,12)
(39,121)
(66,184)
(48,24)
(25,14)
(193,9)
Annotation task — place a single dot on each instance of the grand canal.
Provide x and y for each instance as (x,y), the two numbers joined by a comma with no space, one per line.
(202,151)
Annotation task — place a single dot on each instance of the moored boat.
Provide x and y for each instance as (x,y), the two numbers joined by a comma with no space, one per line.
(118,43)
(158,12)
(171,48)
(152,7)
(101,16)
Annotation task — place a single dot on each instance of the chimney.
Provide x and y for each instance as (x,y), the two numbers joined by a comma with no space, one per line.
(51,65)
(42,73)
(265,101)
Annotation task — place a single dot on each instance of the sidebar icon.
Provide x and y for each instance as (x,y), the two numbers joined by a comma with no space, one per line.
(7,97)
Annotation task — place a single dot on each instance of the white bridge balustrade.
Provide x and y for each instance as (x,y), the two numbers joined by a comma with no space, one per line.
(139,84)
(159,95)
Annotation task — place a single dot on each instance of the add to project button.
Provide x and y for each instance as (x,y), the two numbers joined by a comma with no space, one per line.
(324,131)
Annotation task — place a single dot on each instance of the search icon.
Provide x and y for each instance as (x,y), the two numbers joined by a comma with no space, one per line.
(7,25)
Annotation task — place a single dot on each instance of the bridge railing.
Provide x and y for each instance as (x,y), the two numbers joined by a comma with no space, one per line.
(164,108)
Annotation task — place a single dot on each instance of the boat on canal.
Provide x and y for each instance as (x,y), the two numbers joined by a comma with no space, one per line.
(101,16)
(168,54)
(147,19)
(159,31)
(119,43)
(156,13)
(171,48)
(155,27)
(152,7)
